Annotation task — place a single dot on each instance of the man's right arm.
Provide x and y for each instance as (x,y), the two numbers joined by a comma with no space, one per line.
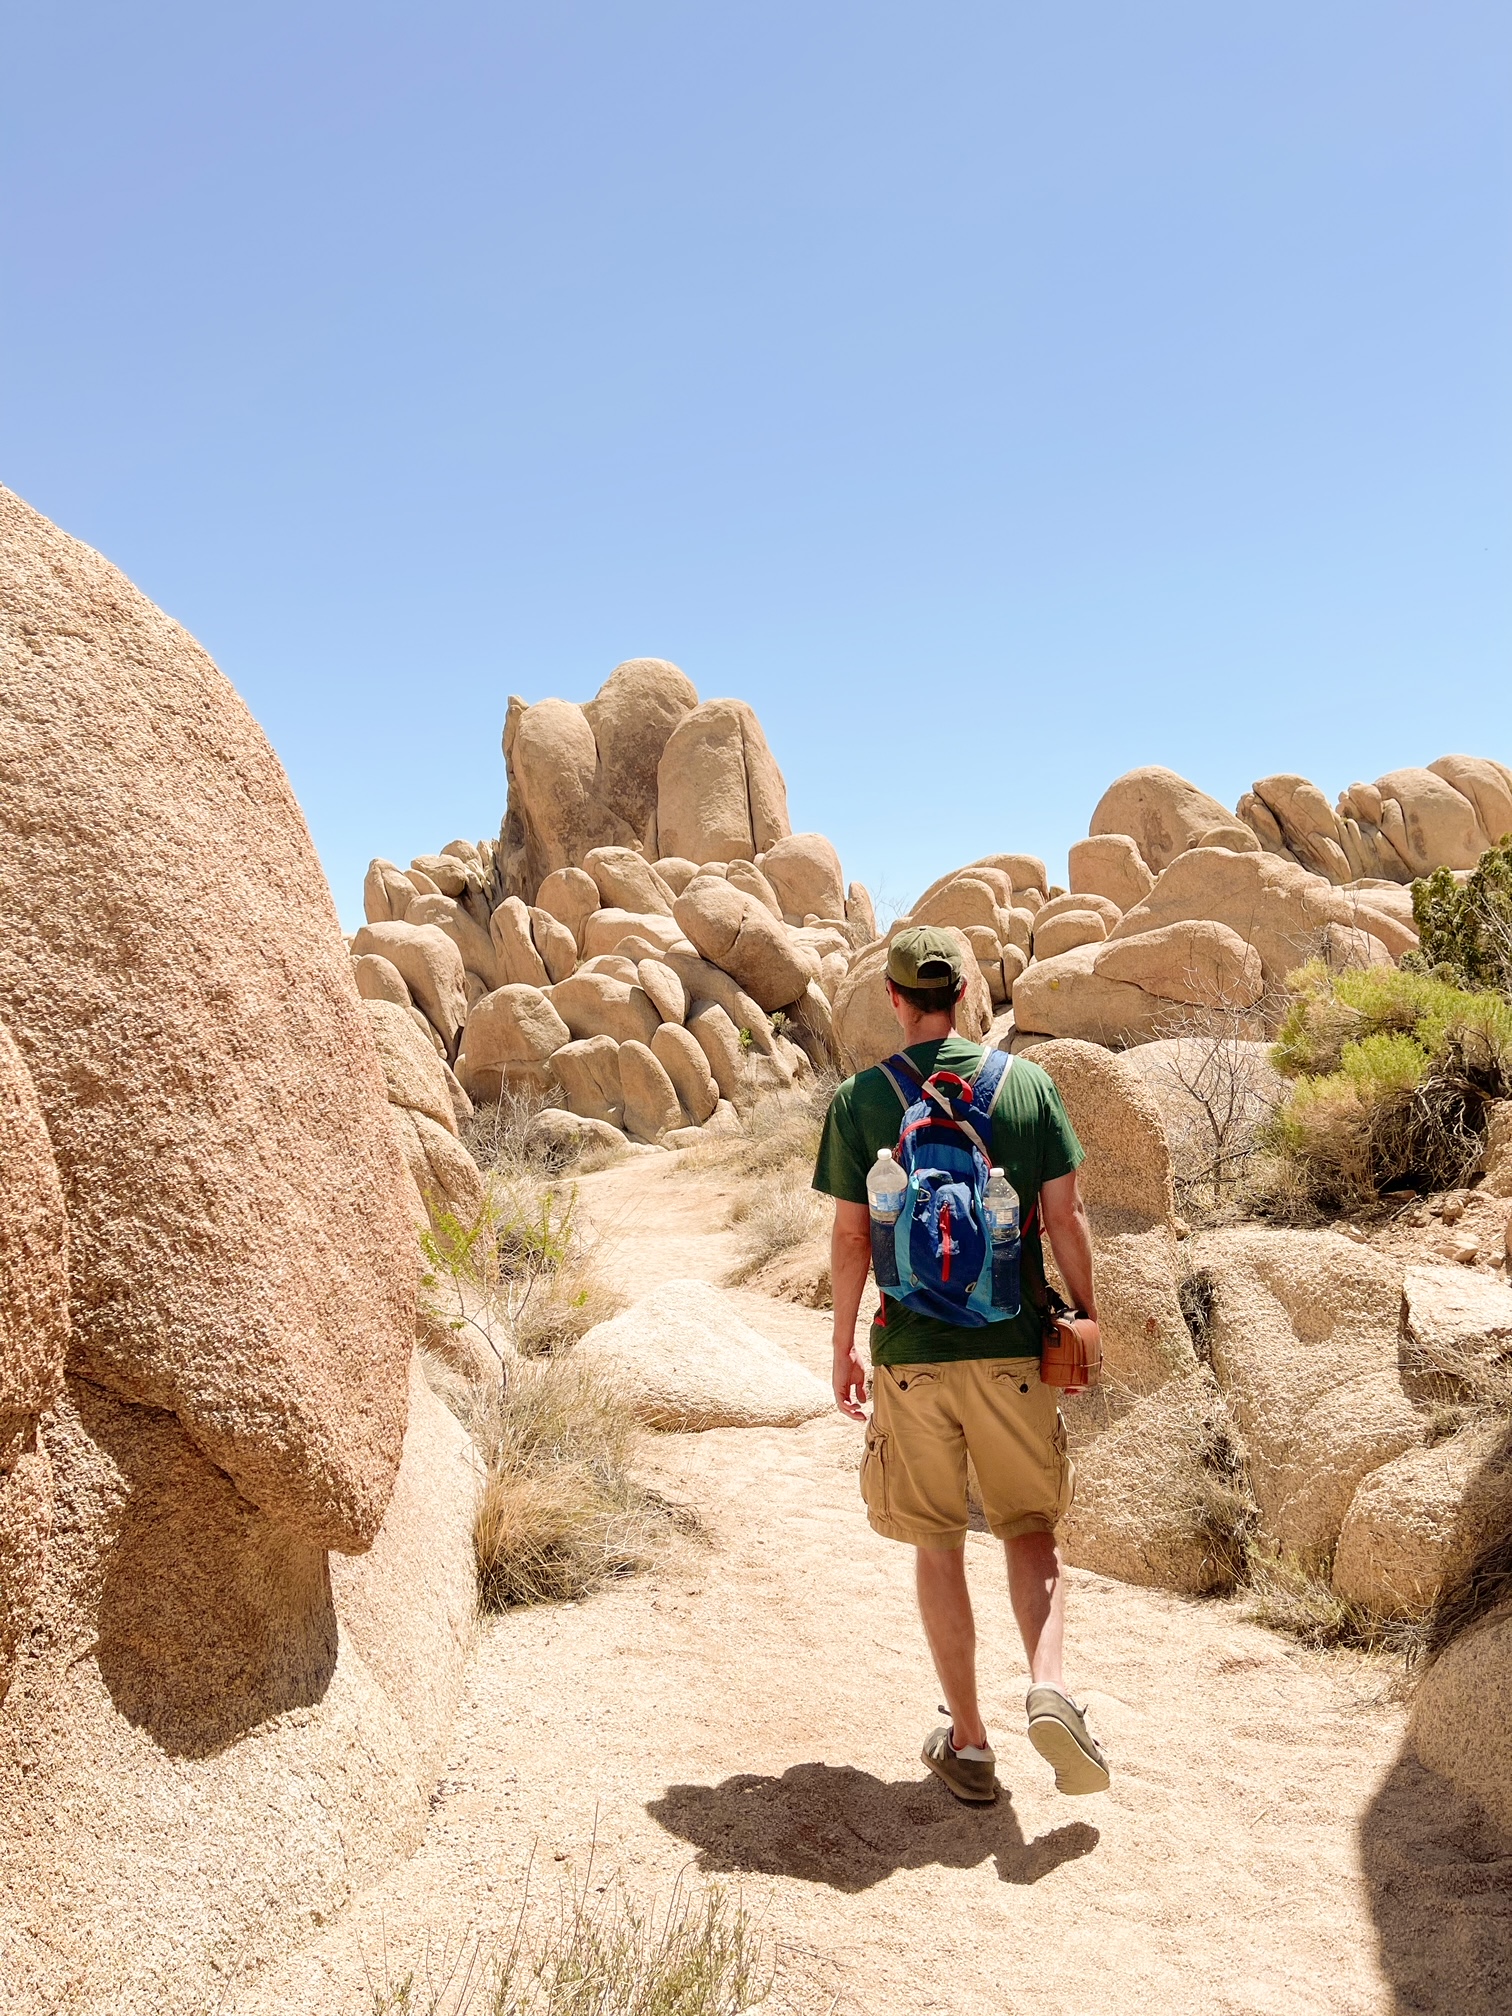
(850,1258)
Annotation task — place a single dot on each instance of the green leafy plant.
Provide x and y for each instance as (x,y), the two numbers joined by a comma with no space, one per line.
(1465,929)
(1392,1075)
(520,1253)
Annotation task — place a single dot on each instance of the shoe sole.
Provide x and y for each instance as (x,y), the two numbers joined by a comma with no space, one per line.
(966,1798)
(1075,1771)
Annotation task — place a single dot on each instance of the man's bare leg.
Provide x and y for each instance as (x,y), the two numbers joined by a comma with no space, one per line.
(1037,1590)
(945,1607)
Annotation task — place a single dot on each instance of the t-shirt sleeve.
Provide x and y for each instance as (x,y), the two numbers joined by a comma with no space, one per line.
(840,1170)
(1061,1151)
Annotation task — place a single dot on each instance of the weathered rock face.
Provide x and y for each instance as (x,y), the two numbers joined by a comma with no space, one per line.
(636,711)
(1404,825)
(1126,1186)
(241,1251)
(588,1069)
(586,777)
(734,930)
(804,870)
(1279,909)
(652,1107)
(720,795)
(33,1340)
(1305,1333)
(627,881)
(189,1689)
(1418,1521)
(1142,1505)
(1110,865)
(510,1038)
(1461,1723)
(430,966)
(1159,811)
(681,1056)
(414,1075)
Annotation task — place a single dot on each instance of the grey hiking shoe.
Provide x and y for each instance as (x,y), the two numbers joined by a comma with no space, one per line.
(973,1779)
(1058,1730)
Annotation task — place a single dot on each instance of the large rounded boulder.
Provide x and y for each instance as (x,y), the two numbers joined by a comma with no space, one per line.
(174,975)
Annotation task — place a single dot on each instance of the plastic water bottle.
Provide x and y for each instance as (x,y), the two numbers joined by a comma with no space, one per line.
(1000,1209)
(886,1187)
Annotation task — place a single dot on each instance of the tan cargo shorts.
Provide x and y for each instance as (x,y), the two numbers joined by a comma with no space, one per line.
(927,1419)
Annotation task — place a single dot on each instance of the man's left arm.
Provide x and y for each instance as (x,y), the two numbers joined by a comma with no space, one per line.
(1064,1218)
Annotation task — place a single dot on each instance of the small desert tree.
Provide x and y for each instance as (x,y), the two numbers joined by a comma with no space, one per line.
(1465,929)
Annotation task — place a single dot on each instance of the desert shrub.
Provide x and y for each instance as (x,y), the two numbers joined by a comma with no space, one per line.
(598,1955)
(1465,929)
(1392,1074)
(558,1511)
(522,1263)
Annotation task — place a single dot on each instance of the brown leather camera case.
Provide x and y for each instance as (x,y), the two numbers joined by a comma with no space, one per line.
(1072,1354)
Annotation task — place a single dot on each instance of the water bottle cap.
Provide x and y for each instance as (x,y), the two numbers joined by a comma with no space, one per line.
(995,1170)
(884,1154)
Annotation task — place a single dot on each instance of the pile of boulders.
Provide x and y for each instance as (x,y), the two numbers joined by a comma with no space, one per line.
(647,947)
(1269,1386)
(1184,917)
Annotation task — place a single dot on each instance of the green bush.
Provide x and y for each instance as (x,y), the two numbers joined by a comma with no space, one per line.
(1392,1072)
(1465,930)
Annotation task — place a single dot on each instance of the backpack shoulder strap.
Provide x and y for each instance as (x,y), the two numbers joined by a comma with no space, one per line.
(989,1080)
(899,1071)
(995,1066)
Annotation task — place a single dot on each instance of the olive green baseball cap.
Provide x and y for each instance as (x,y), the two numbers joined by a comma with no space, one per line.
(924,956)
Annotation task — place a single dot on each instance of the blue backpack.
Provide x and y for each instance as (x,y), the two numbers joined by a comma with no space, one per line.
(940,1243)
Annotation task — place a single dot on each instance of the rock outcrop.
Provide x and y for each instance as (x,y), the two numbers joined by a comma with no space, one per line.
(688,1360)
(193,1686)
(645,874)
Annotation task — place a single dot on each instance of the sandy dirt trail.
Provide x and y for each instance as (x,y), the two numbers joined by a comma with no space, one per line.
(751,1711)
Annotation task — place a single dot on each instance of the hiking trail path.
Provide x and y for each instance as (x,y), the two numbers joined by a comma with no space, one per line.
(750,1711)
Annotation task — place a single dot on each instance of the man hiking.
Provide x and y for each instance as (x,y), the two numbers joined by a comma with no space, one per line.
(952,1373)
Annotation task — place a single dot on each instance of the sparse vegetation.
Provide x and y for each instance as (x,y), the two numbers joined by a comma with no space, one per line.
(558,1512)
(521,1267)
(1392,1075)
(597,1956)
(497,1137)
(773,1165)
(1465,929)
(1296,1598)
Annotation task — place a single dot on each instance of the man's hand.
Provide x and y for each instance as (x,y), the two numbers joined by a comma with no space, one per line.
(850,1381)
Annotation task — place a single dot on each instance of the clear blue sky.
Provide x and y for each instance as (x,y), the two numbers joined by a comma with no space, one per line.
(997,396)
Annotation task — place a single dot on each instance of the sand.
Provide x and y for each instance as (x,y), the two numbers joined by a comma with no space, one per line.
(750,1712)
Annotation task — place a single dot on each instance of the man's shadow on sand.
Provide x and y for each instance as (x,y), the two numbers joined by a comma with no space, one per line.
(849,1830)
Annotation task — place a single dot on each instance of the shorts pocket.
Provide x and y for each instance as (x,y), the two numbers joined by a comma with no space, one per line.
(1066,1482)
(874,1473)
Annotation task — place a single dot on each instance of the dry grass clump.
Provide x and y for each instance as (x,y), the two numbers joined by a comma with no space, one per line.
(772,1167)
(1224,1510)
(774,1221)
(497,1138)
(1297,1599)
(558,1512)
(1393,1074)
(598,1956)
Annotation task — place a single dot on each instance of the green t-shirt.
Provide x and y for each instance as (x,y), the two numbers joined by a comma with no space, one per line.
(1031,1138)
